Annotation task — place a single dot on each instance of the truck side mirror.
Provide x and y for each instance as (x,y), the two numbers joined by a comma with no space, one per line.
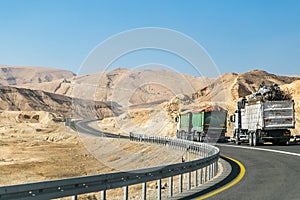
(176,119)
(232,118)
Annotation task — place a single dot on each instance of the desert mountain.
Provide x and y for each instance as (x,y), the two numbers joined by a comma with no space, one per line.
(128,87)
(139,88)
(15,75)
(18,99)
(146,86)
(230,87)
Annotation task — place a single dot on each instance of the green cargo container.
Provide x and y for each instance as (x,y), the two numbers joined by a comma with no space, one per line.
(196,125)
(185,122)
(215,119)
(197,121)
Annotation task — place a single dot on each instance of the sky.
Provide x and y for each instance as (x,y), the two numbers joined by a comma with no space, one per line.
(238,35)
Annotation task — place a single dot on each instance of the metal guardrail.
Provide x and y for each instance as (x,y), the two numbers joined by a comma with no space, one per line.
(207,166)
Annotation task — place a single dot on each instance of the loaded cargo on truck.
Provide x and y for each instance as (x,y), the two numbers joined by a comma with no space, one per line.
(208,124)
(266,116)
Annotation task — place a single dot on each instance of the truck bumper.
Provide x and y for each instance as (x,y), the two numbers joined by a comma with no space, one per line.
(275,139)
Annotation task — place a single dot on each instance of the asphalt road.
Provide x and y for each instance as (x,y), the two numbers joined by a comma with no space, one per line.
(90,127)
(269,175)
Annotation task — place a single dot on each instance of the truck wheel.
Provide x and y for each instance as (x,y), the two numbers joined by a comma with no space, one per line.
(254,138)
(237,142)
(250,139)
(283,143)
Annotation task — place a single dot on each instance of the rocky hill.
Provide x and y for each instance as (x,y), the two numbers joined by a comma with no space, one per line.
(136,89)
(225,91)
(294,89)
(230,87)
(20,99)
(17,75)
(128,87)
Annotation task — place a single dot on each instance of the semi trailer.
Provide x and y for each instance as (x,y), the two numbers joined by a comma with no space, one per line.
(258,119)
(208,124)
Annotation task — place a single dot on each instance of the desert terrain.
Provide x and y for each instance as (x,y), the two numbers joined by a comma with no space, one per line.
(35,101)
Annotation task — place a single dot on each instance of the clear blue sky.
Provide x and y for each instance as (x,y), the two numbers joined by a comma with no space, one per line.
(239,35)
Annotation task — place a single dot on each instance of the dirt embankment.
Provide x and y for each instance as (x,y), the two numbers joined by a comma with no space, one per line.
(35,148)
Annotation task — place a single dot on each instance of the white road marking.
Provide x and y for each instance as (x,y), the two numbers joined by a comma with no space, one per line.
(262,149)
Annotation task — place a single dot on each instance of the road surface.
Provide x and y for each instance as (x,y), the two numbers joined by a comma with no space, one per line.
(90,127)
(269,175)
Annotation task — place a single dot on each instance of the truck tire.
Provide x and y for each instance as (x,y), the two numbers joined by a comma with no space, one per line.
(250,139)
(254,139)
(237,142)
(283,143)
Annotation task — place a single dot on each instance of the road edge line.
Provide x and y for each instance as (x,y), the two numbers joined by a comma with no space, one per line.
(228,185)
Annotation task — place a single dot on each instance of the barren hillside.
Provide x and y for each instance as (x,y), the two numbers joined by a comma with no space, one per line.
(17,99)
(294,89)
(17,75)
(225,91)
(127,87)
(138,90)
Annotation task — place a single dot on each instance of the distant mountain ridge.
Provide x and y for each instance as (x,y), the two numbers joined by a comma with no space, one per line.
(18,75)
(20,99)
(110,93)
(135,87)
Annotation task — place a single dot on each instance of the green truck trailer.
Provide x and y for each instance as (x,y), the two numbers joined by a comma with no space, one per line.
(207,124)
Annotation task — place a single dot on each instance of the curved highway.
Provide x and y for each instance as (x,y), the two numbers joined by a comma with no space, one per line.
(89,127)
(269,175)
(273,174)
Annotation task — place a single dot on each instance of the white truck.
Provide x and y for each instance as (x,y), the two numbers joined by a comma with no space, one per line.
(263,121)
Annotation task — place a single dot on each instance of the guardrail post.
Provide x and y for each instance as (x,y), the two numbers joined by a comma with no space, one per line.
(212,170)
(74,197)
(159,189)
(189,181)
(196,178)
(180,183)
(208,171)
(205,175)
(126,192)
(144,195)
(201,176)
(217,167)
(103,195)
(171,186)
